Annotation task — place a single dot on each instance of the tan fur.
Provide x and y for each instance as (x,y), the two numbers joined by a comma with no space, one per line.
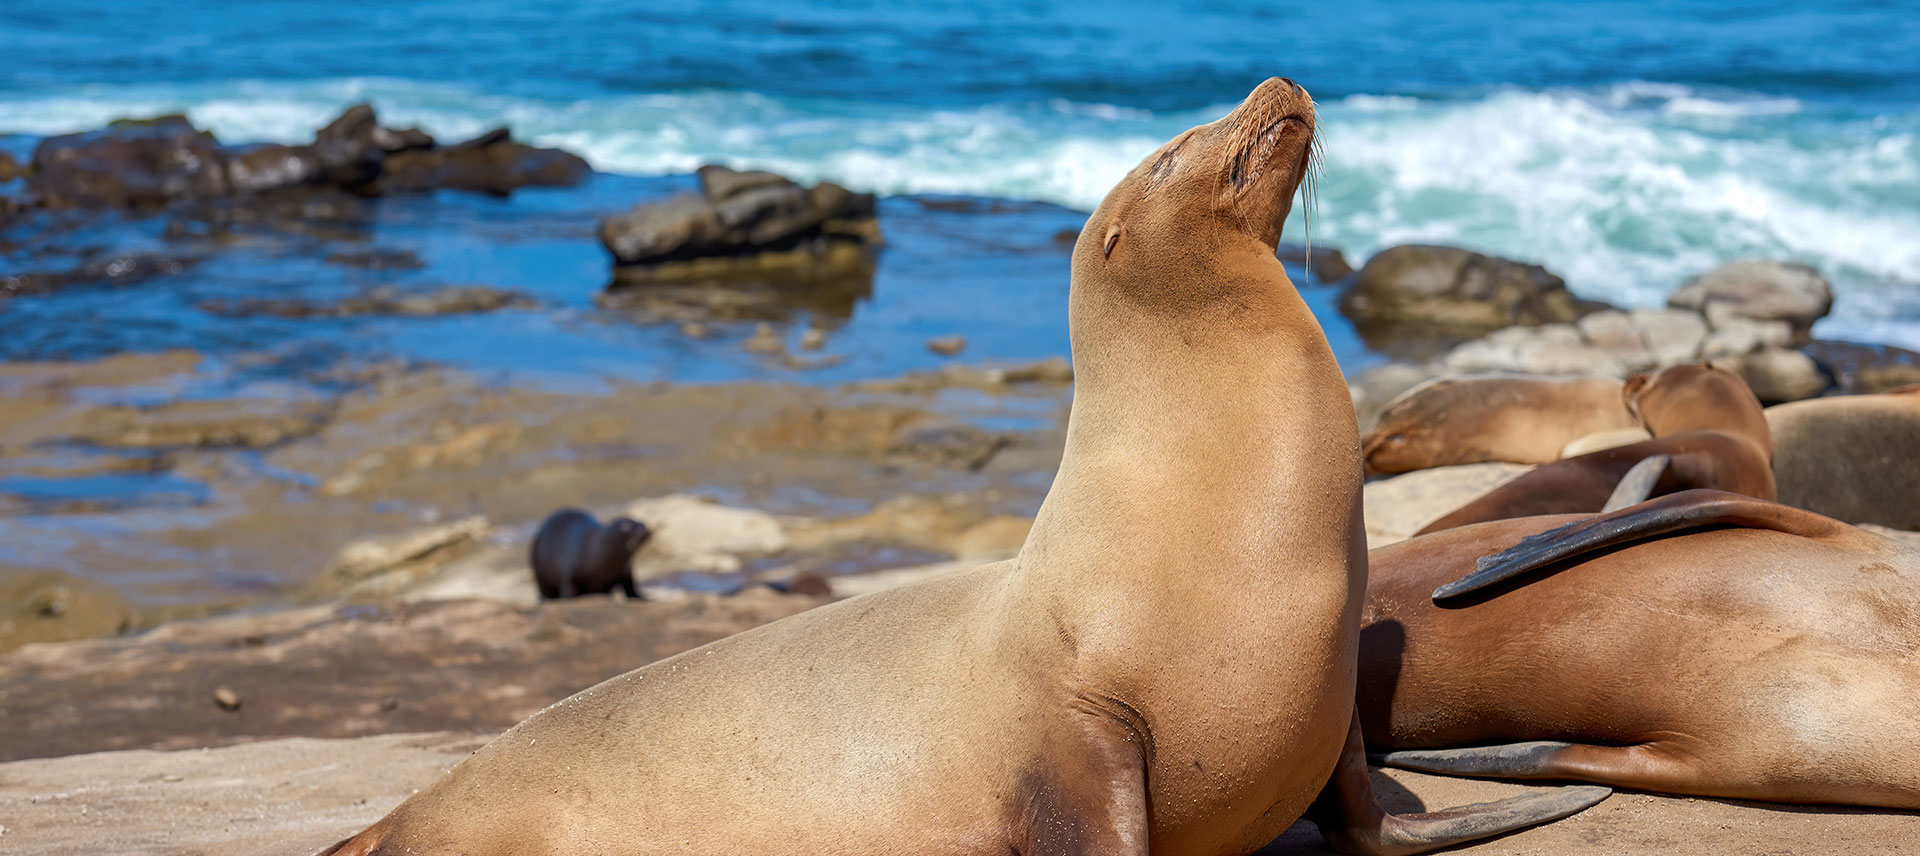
(1470,419)
(1855,457)
(1175,642)
(1730,662)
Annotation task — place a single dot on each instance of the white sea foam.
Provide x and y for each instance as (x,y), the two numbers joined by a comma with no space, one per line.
(1624,190)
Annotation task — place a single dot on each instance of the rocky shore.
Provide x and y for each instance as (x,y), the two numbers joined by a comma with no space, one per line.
(277,590)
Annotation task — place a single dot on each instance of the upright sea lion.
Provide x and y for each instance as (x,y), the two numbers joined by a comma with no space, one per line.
(1475,418)
(1703,643)
(573,554)
(1708,432)
(1854,457)
(1167,665)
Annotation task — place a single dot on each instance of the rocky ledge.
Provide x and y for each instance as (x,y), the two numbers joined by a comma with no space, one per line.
(147,163)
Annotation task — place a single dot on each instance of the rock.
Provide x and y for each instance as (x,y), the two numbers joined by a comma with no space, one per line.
(1761,290)
(1674,336)
(765,341)
(695,330)
(227,699)
(947,346)
(1552,349)
(1735,335)
(40,606)
(389,564)
(813,339)
(1324,264)
(1397,507)
(9,168)
(491,163)
(130,163)
(455,300)
(1777,375)
(1858,369)
(694,534)
(377,259)
(329,671)
(114,271)
(165,160)
(245,423)
(1448,287)
(744,226)
(949,444)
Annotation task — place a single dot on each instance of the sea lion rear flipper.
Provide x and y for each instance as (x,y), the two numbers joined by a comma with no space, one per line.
(1641,766)
(1637,484)
(1352,821)
(1675,513)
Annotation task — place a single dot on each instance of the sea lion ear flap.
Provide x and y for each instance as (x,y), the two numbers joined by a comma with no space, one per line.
(1113,237)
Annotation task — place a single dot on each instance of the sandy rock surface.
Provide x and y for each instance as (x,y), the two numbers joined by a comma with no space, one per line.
(346,671)
(296,796)
(1397,507)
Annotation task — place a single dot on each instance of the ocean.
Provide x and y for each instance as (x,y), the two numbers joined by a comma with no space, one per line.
(1625,146)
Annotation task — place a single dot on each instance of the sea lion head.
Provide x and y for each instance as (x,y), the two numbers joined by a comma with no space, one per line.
(1695,396)
(628,534)
(1226,182)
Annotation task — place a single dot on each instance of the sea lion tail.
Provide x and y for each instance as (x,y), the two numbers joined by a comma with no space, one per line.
(1686,511)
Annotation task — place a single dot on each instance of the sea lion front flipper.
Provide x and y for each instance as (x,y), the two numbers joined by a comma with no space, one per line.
(1637,484)
(1352,821)
(1674,513)
(1641,766)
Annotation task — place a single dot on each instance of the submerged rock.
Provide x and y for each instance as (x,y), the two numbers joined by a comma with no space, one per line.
(1324,264)
(1453,288)
(755,227)
(456,300)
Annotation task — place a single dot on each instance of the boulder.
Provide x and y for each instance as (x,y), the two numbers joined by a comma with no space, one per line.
(1761,290)
(744,225)
(694,534)
(1673,335)
(129,164)
(1453,288)
(9,168)
(1324,264)
(1779,375)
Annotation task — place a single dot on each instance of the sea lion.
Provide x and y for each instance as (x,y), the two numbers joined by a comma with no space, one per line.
(1708,432)
(1474,418)
(573,554)
(1167,664)
(1854,457)
(1702,643)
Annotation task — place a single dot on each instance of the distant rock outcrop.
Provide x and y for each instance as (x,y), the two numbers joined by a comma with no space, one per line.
(145,163)
(1455,289)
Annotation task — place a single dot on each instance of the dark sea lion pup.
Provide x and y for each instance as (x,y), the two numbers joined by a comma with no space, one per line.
(574,555)
(1708,432)
(1167,666)
(1702,643)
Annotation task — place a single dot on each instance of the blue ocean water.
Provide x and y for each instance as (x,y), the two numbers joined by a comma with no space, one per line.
(1624,145)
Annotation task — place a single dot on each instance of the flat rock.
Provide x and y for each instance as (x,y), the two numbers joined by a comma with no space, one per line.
(346,670)
(1399,506)
(46,606)
(695,534)
(300,795)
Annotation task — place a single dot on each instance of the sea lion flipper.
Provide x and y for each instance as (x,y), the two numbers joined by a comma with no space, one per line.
(1637,484)
(1352,821)
(1680,512)
(1642,766)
